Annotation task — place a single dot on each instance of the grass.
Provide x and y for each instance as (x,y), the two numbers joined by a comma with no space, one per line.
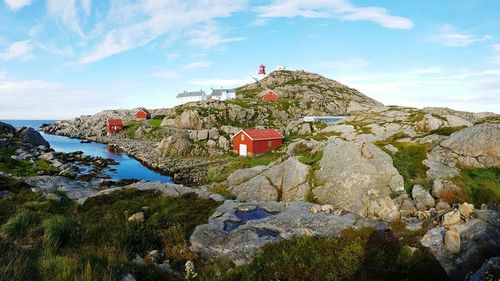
(446,131)
(235,162)
(155,122)
(480,185)
(409,162)
(363,254)
(131,127)
(311,159)
(94,241)
(416,116)
(59,231)
(23,167)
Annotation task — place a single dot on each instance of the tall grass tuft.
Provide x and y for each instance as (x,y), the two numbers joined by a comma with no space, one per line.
(59,231)
(18,225)
(15,264)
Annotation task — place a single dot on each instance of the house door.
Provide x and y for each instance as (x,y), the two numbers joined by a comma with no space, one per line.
(243,150)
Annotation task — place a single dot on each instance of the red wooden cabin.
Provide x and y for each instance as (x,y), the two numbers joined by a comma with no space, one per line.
(143,114)
(270,95)
(249,142)
(114,126)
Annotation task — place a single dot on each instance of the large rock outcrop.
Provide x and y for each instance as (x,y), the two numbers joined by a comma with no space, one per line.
(476,146)
(351,171)
(285,181)
(32,137)
(236,231)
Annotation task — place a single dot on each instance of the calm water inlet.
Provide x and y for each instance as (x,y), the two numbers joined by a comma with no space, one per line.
(128,168)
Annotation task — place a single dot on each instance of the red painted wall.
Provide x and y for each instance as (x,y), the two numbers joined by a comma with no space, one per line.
(254,147)
(142,115)
(261,146)
(269,96)
(237,141)
(114,129)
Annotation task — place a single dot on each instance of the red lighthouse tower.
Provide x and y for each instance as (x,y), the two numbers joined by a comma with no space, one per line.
(262,71)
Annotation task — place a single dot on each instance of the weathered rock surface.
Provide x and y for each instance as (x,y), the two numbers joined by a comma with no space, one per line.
(350,170)
(73,189)
(229,236)
(177,144)
(476,146)
(422,198)
(479,240)
(166,190)
(489,271)
(285,181)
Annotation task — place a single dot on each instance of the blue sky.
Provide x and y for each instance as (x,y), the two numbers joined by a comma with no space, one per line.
(61,59)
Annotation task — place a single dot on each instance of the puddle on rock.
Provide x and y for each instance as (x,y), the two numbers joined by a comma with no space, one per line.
(245,216)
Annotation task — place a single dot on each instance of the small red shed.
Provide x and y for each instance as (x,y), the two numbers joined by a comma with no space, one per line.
(249,142)
(114,126)
(143,114)
(270,95)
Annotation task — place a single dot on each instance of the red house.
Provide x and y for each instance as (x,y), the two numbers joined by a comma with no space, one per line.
(270,95)
(249,142)
(114,126)
(143,114)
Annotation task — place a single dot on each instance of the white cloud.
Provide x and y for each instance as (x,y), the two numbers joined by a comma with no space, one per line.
(16,5)
(209,36)
(216,82)
(496,56)
(197,64)
(131,25)
(86,5)
(340,9)
(462,89)
(448,36)
(66,12)
(165,74)
(21,50)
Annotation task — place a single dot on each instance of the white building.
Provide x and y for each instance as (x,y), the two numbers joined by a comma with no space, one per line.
(223,94)
(186,97)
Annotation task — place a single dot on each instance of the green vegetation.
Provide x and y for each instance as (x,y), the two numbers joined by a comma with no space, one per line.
(311,159)
(23,167)
(360,126)
(236,162)
(295,81)
(446,131)
(416,116)
(480,185)
(132,127)
(155,122)
(247,93)
(409,161)
(363,254)
(94,241)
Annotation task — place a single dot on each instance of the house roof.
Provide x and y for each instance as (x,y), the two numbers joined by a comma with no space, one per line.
(263,93)
(218,92)
(115,122)
(143,110)
(191,94)
(261,134)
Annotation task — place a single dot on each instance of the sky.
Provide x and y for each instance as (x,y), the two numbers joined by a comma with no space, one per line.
(64,58)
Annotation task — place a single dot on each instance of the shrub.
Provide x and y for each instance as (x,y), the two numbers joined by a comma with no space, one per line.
(19,224)
(59,231)
(480,185)
(214,174)
(363,254)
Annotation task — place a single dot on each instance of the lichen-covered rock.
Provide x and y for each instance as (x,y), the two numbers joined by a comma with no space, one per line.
(476,146)
(422,198)
(256,189)
(452,241)
(32,137)
(177,144)
(349,170)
